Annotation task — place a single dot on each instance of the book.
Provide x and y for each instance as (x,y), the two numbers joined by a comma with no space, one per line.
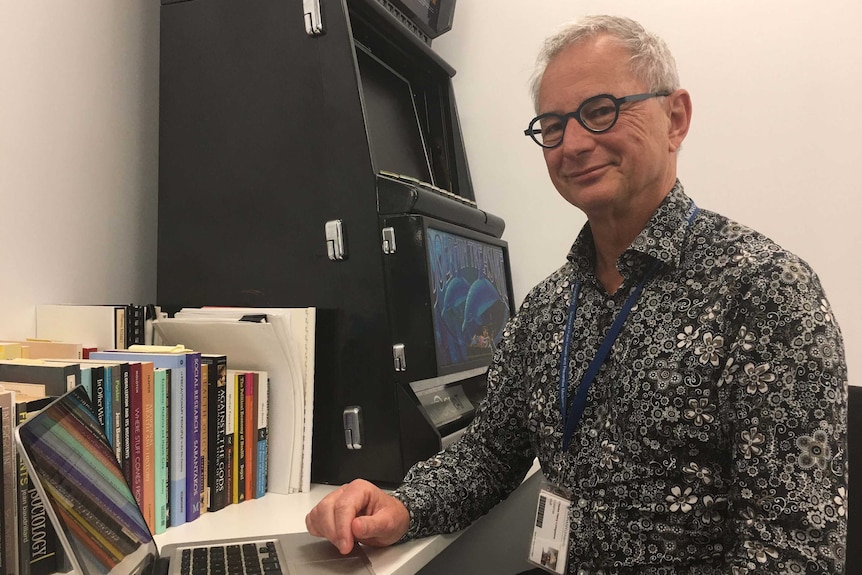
(100,326)
(10,474)
(133,447)
(229,434)
(262,414)
(10,350)
(239,438)
(58,377)
(177,364)
(117,413)
(252,379)
(194,470)
(147,444)
(216,367)
(2,501)
(204,443)
(161,456)
(50,349)
(39,549)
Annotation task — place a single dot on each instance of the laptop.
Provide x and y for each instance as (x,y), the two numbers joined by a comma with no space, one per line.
(102,529)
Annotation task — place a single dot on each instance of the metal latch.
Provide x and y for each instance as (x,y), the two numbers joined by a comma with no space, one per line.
(389,240)
(399,357)
(313,15)
(335,240)
(352,417)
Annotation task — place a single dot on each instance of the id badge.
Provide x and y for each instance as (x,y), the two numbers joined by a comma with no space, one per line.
(549,548)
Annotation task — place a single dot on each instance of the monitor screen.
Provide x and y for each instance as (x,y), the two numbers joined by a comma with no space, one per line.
(394,133)
(469,295)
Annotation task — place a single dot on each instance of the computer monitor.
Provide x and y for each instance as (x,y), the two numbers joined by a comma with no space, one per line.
(450,295)
(470,297)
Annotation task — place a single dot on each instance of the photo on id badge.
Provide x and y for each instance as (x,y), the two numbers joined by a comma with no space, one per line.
(550,543)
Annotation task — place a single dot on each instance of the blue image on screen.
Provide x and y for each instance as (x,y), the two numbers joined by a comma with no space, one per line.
(469,297)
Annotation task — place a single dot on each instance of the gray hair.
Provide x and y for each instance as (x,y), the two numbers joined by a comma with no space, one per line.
(651,59)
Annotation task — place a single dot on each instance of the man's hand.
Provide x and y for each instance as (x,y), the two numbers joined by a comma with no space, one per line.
(358,511)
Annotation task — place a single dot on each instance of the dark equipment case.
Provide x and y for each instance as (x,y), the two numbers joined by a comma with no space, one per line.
(271,195)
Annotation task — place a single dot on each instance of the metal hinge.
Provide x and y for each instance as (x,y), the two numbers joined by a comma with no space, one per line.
(352,418)
(389,240)
(313,15)
(335,245)
(399,357)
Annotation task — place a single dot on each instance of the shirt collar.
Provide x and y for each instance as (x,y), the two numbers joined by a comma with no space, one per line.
(661,240)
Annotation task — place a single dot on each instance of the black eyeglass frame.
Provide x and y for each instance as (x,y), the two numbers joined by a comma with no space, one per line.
(533,132)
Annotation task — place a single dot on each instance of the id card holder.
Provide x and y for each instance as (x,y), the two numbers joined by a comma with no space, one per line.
(549,548)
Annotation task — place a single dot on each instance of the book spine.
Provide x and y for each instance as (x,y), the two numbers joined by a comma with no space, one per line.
(239,441)
(262,432)
(148,440)
(120,320)
(126,425)
(178,446)
(229,436)
(86,380)
(135,440)
(161,482)
(98,395)
(8,418)
(204,443)
(110,374)
(3,479)
(22,485)
(193,437)
(251,383)
(217,380)
(117,411)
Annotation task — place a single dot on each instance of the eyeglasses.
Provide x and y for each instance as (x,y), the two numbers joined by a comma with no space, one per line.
(597,114)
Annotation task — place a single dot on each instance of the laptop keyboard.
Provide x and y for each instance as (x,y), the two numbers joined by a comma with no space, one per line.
(244,559)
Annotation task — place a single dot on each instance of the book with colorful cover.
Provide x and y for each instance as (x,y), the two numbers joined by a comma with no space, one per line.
(230,423)
(117,413)
(252,380)
(147,444)
(216,366)
(194,470)
(161,457)
(262,434)
(205,447)
(177,362)
(239,439)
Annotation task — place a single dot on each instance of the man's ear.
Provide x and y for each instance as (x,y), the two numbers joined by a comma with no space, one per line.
(679,110)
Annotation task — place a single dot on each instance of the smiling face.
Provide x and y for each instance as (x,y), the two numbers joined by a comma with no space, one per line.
(626,171)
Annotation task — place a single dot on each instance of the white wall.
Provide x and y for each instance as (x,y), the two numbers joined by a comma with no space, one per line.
(774,143)
(78,155)
(775,140)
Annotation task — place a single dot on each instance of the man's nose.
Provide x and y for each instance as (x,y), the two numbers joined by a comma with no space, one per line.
(576,138)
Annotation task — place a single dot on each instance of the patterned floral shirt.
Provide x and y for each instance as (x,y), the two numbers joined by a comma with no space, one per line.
(714,436)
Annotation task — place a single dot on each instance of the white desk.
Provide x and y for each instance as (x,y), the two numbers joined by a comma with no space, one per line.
(276,513)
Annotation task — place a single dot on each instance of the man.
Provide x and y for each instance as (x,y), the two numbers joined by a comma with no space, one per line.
(681,376)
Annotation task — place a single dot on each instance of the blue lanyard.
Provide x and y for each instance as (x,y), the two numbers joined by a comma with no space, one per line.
(580,402)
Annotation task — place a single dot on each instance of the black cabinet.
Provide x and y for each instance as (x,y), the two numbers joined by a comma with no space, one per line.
(278,169)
